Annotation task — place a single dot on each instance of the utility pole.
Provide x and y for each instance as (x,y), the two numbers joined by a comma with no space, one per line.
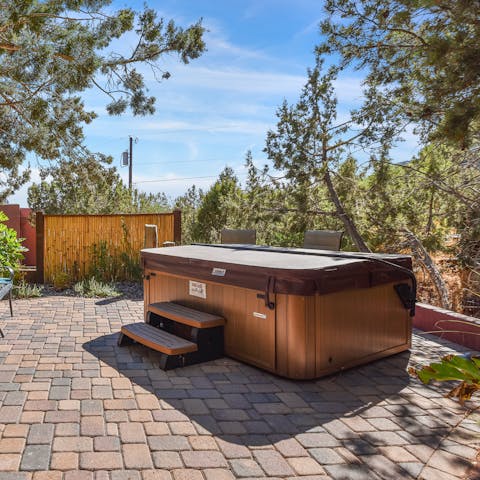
(130,167)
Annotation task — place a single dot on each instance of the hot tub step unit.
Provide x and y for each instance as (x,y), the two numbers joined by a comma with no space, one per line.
(156,339)
(182,335)
(187,316)
(174,351)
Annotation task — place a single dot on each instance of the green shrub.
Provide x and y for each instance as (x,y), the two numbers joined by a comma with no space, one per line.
(10,246)
(27,290)
(91,287)
(62,281)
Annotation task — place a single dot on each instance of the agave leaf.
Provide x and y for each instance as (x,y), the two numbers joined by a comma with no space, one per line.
(466,365)
(452,367)
(427,374)
(476,361)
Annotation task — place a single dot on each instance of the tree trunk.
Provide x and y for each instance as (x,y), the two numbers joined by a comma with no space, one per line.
(350,226)
(421,254)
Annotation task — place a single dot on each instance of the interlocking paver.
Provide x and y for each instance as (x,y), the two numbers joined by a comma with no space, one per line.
(69,405)
(203,459)
(15,398)
(64,416)
(9,462)
(305,466)
(310,440)
(72,444)
(288,447)
(41,433)
(15,430)
(230,449)
(137,456)
(246,467)
(64,461)
(132,432)
(351,472)
(446,462)
(187,474)
(92,426)
(385,468)
(218,474)
(106,444)
(109,413)
(202,442)
(10,414)
(12,445)
(398,454)
(67,429)
(47,475)
(100,460)
(35,457)
(170,442)
(78,475)
(156,428)
(167,460)
(273,463)
(156,475)
(326,456)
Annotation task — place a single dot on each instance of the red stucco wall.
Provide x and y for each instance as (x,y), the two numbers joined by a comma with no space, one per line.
(18,219)
(29,233)
(450,325)
(13,214)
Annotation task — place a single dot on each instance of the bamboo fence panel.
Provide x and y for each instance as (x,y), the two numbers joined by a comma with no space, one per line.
(68,240)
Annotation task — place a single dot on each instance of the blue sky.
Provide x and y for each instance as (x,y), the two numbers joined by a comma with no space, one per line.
(212,111)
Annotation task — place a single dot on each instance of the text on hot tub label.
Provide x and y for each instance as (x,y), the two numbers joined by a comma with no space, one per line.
(197,289)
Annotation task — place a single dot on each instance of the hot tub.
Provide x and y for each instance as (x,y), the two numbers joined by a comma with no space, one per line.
(295,312)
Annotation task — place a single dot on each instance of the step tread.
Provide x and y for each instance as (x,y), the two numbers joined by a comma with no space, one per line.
(186,315)
(157,339)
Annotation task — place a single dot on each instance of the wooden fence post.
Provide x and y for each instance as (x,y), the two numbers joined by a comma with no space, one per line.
(40,234)
(177,226)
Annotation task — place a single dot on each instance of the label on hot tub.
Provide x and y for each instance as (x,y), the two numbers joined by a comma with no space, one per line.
(219,272)
(197,289)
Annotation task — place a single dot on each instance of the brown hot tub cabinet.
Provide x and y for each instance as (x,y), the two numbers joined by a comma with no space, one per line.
(297,313)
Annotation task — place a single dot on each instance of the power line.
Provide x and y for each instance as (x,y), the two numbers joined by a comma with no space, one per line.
(179,161)
(183,178)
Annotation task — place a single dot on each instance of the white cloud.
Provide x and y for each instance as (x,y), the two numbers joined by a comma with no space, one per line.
(147,129)
(234,79)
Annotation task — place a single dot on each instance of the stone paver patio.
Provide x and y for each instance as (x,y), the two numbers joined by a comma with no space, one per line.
(74,406)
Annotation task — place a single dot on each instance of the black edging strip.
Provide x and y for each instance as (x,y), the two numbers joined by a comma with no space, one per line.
(344,255)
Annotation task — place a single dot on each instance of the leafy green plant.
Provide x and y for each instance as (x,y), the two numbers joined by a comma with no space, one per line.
(91,287)
(10,246)
(62,281)
(27,290)
(463,368)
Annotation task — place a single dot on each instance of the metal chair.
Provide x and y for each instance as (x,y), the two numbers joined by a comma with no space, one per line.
(247,237)
(6,285)
(323,239)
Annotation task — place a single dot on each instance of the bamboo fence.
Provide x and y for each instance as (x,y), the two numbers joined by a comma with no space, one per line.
(65,242)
